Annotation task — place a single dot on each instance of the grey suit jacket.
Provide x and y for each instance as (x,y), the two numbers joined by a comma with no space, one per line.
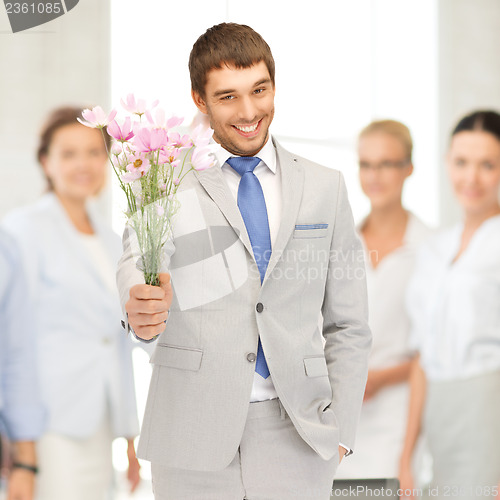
(203,364)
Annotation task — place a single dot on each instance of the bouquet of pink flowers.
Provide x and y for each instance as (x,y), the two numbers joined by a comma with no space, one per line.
(150,160)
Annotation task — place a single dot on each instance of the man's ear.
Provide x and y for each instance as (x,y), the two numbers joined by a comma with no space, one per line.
(199,101)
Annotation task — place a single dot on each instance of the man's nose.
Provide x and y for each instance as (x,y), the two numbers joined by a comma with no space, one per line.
(247,111)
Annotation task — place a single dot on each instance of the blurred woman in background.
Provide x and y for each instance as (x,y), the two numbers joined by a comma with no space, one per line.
(21,411)
(454,305)
(390,235)
(84,356)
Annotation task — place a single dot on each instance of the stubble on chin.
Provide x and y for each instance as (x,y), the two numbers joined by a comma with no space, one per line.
(235,150)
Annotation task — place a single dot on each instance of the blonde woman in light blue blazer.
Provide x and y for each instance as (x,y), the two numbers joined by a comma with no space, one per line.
(84,357)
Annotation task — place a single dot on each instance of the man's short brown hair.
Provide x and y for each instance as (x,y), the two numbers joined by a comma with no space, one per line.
(227,44)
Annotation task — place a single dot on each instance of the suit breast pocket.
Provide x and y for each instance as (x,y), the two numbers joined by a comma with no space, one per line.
(182,358)
(315,366)
(310,230)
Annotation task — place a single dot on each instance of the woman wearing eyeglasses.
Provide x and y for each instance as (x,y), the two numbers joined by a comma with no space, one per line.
(390,235)
(454,304)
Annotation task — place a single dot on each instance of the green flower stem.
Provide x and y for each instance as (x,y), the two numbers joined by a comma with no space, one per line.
(152,230)
(152,279)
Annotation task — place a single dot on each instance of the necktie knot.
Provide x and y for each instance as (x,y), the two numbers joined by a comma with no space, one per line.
(243,164)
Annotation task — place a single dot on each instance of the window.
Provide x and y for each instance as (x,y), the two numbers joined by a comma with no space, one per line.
(339,66)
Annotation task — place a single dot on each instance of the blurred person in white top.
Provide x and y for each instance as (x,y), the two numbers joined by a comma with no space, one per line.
(454,304)
(85,374)
(390,235)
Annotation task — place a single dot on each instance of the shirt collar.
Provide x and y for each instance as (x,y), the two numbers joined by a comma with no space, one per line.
(267,154)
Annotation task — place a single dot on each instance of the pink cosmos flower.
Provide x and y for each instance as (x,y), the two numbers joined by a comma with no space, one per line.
(202,135)
(147,140)
(168,159)
(129,177)
(96,117)
(160,120)
(136,106)
(159,209)
(174,121)
(116,149)
(169,154)
(202,158)
(138,166)
(175,139)
(121,133)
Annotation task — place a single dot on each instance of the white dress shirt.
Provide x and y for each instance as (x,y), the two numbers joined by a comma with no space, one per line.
(455,306)
(267,171)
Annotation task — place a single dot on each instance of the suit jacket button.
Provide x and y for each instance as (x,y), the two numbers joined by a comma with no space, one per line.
(251,357)
(259,307)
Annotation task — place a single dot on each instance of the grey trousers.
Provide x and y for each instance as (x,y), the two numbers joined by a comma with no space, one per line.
(272,463)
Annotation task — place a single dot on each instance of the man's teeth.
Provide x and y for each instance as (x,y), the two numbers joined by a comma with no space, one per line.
(248,128)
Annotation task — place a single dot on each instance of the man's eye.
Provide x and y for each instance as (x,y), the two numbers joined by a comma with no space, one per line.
(258,91)
(227,98)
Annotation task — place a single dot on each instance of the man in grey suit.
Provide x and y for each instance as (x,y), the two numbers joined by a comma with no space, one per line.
(259,372)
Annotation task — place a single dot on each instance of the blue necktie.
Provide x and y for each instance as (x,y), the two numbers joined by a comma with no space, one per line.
(252,206)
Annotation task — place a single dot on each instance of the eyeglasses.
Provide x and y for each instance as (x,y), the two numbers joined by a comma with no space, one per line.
(383,165)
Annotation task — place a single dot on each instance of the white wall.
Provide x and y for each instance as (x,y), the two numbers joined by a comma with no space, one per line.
(425,62)
(339,65)
(66,61)
(469,74)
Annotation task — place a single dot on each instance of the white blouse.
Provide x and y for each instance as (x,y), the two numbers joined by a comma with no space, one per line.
(100,258)
(387,284)
(383,418)
(455,306)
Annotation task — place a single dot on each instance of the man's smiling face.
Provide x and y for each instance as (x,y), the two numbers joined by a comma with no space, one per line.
(240,105)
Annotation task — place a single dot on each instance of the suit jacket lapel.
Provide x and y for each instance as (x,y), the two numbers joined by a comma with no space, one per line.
(292,176)
(215,185)
(292,185)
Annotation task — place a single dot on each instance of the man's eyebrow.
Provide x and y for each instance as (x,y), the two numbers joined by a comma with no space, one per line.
(218,93)
(262,82)
(221,92)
